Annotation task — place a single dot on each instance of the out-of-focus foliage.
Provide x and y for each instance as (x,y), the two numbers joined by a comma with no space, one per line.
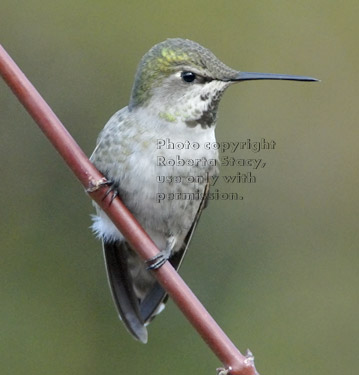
(278,270)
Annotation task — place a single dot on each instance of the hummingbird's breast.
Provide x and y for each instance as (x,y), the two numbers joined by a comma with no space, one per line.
(161,168)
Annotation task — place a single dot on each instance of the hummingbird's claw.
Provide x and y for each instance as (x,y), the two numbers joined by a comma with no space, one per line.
(161,258)
(157,261)
(113,188)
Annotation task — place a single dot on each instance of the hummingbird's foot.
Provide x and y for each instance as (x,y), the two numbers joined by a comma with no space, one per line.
(162,257)
(113,188)
(158,260)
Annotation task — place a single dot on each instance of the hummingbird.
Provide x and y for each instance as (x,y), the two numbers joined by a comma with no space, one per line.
(163,132)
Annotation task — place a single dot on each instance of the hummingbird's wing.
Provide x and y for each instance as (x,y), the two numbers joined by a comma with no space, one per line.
(149,307)
(116,259)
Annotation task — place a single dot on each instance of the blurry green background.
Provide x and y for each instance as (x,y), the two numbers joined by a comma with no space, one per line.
(279,271)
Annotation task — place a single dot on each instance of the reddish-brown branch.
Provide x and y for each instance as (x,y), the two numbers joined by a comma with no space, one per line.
(232,359)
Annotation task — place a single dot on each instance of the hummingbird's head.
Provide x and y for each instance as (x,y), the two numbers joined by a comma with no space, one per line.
(179,79)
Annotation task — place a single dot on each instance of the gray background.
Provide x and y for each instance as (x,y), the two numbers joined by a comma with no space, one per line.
(278,271)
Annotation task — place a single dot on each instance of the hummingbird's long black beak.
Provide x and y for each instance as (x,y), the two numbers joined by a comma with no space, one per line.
(247,76)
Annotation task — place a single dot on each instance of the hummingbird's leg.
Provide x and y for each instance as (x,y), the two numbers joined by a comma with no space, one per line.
(161,258)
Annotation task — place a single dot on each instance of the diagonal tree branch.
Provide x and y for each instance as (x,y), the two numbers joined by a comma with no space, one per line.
(234,362)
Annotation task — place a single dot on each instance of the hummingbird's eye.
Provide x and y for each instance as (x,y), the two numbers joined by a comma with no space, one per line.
(188,76)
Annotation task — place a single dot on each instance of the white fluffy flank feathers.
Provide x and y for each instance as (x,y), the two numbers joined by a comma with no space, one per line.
(104,229)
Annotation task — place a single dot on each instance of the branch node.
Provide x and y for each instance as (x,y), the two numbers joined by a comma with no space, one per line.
(223,371)
(249,361)
(95,185)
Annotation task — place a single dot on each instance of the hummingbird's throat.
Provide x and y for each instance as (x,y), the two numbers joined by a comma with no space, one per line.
(197,107)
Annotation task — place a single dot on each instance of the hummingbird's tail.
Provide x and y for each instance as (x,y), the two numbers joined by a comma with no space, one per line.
(136,293)
(120,280)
